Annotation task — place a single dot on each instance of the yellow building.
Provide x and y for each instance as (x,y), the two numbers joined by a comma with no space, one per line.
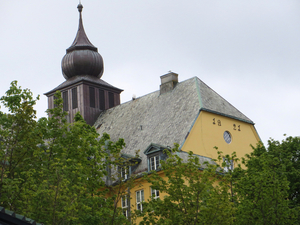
(189,113)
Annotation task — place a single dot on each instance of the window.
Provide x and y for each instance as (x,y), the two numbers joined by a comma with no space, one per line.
(227,137)
(74,98)
(92,97)
(124,173)
(139,200)
(111,98)
(65,101)
(154,162)
(101,100)
(154,193)
(155,154)
(125,206)
(229,165)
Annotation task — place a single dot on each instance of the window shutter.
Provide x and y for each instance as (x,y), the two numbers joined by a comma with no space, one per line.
(74,98)
(65,99)
(101,99)
(111,99)
(92,97)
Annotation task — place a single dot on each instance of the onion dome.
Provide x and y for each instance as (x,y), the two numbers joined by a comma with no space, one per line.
(82,57)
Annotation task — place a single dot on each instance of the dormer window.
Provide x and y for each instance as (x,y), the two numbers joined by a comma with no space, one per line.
(128,165)
(155,153)
(154,162)
(124,172)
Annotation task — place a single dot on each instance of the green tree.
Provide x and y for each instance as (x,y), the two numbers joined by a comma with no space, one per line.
(195,193)
(53,171)
(262,189)
(288,154)
(19,142)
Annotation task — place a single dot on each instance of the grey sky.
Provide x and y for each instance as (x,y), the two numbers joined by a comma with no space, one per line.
(247,51)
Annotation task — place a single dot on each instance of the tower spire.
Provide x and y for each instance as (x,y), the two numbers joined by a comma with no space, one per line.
(81,40)
(82,56)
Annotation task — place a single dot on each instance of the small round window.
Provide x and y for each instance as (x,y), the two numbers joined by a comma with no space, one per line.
(227,137)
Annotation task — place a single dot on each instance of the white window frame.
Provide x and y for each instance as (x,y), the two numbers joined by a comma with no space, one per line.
(155,193)
(124,173)
(229,165)
(139,199)
(124,204)
(155,160)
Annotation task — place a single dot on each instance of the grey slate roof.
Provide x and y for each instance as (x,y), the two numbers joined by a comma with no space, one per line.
(163,119)
(211,101)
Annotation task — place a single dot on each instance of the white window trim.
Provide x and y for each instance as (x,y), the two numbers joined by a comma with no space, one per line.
(124,171)
(155,193)
(229,165)
(156,162)
(125,206)
(139,204)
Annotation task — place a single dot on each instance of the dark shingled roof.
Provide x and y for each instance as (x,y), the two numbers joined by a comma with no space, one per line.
(78,79)
(163,119)
(8,217)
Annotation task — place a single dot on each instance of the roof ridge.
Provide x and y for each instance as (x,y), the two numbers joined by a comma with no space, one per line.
(137,98)
(198,92)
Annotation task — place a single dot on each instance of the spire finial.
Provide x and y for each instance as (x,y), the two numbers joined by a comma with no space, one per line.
(79,7)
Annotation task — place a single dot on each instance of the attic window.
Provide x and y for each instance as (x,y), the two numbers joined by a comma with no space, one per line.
(127,166)
(124,172)
(155,153)
(154,162)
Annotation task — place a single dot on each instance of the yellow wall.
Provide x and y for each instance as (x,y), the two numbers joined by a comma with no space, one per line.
(141,184)
(208,131)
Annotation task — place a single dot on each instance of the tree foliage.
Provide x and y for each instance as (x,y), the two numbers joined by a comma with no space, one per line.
(263,187)
(53,171)
(263,190)
(287,155)
(192,193)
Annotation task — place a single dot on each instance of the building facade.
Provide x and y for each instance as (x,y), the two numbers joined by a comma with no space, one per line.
(189,113)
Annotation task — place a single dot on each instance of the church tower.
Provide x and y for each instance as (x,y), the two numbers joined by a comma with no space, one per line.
(84,91)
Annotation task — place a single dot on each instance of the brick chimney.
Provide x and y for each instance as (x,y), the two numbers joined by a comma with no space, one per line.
(168,82)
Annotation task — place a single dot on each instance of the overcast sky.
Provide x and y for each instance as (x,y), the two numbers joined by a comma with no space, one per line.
(247,51)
